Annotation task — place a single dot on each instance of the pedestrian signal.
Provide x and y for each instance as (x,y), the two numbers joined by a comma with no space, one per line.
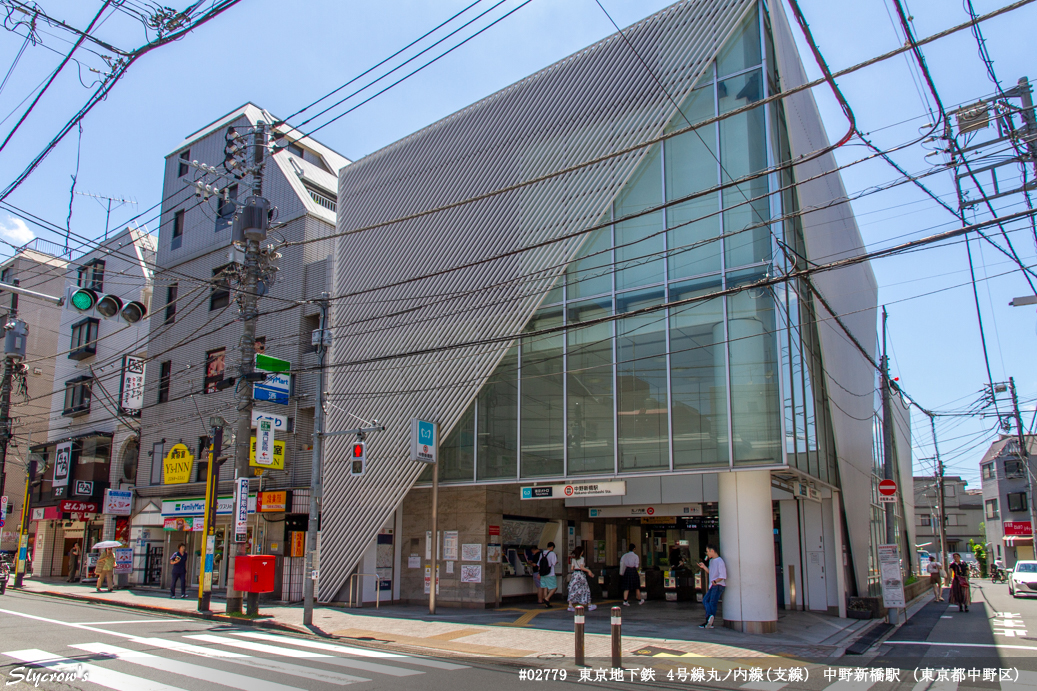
(358,458)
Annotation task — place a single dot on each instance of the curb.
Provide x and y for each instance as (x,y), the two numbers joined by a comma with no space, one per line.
(223,618)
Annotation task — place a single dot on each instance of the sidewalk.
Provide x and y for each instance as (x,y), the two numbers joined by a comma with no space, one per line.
(657,629)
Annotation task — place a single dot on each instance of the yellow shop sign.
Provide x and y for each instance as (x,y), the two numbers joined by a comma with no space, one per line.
(176,466)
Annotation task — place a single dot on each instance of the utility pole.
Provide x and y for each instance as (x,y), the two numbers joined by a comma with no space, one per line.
(321,340)
(5,396)
(887,454)
(23,527)
(1024,454)
(940,507)
(250,228)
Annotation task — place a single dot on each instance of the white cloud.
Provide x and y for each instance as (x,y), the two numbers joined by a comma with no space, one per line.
(15,231)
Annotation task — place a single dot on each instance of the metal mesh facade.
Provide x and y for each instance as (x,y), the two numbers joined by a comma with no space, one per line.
(598,101)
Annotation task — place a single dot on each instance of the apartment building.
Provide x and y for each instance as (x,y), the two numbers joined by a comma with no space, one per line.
(1008,507)
(963,514)
(194,349)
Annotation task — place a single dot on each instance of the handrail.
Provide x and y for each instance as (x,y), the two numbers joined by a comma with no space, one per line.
(360,596)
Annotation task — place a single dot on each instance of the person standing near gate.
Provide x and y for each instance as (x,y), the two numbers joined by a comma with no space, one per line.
(179,562)
(717,571)
(629,563)
(73,563)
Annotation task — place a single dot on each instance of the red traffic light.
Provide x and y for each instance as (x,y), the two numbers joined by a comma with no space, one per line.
(358,450)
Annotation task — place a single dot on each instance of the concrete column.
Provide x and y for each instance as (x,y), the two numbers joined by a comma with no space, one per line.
(837,544)
(750,602)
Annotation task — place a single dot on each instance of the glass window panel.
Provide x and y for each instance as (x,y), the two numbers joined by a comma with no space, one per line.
(743,151)
(592,273)
(555,294)
(691,166)
(742,50)
(755,399)
(590,408)
(787,303)
(641,390)
(798,430)
(698,377)
(639,259)
(457,452)
(498,421)
(543,417)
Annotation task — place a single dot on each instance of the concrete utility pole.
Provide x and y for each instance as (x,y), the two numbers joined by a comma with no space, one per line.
(941,506)
(887,454)
(1024,454)
(321,340)
(252,221)
(5,399)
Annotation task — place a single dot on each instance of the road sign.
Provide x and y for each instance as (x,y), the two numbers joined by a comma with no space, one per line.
(271,364)
(276,388)
(887,491)
(241,510)
(423,441)
(3,507)
(265,443)
(280,421)
(1,523)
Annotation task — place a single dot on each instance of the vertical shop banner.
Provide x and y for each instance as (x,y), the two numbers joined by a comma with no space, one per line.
(131,392)
(265,443)
(124,560)
(62,468)
(210,556)
(241,510)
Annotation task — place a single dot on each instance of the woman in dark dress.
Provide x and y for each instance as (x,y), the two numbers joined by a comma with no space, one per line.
(958,573)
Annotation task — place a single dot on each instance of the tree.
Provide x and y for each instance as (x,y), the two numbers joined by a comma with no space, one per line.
(981,556)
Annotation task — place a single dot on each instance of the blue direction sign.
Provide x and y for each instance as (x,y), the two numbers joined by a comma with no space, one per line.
(423,441)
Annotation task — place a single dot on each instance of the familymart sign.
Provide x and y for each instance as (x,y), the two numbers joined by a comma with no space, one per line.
(615,488)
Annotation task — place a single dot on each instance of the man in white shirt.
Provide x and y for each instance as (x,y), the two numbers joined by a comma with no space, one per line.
(717,571)
(549,581)
(628,565)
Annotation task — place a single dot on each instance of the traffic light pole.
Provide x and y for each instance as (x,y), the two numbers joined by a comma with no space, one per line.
(212,481)
(316,469)
(23,527)
(248,296)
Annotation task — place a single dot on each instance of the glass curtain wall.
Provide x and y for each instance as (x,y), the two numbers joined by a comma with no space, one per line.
(654,374)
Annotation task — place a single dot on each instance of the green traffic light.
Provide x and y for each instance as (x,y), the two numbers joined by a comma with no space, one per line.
(82,300)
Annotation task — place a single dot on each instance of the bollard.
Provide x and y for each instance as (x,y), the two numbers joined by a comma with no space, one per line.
(578,628)
(617,638)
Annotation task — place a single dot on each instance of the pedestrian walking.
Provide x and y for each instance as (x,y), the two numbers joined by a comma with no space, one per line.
(934,567)
(533,559)
(105,570)
(958,573)
(548,579)
(73,563)
(717,571)
(579,589)
(179,562)
(628,566)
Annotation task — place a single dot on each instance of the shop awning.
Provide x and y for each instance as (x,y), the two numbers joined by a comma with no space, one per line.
(1012,540)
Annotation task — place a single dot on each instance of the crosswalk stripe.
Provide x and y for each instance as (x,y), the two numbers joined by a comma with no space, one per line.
(290,652)
(347,650)
(94,674)
(764,685)
(216,676)
(312,673)
(1027,682)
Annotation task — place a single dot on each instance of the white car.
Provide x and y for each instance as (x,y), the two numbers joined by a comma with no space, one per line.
(1023,578)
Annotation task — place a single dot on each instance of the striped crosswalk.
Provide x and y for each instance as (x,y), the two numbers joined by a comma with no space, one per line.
(241,660)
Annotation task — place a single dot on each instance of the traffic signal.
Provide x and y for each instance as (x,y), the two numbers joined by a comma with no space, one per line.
(358,459)
(108,306)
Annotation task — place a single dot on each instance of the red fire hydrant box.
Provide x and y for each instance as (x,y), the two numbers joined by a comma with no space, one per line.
(254,573)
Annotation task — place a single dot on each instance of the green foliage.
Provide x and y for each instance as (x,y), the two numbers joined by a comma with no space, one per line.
(981,556)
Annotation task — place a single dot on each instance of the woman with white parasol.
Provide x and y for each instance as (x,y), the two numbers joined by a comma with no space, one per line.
(106,564)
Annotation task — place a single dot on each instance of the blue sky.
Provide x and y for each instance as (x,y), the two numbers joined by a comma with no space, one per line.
(283,55)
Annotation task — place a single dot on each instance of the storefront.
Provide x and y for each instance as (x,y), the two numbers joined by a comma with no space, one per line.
(183,523)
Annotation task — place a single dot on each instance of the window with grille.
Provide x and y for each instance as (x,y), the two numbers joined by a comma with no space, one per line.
(84,339)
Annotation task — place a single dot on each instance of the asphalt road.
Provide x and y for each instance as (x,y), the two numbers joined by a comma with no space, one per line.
(50,643)
(998,631)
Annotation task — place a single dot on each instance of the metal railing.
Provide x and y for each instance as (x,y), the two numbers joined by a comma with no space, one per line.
(357,578)
(322,199)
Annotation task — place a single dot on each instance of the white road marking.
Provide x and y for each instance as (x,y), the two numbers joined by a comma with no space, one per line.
(94,674)
(764,685)
(850,686)
(312,673)
(935,686)
(964,645)
(290,652)
(129,621)
(187,669)
(346,650)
